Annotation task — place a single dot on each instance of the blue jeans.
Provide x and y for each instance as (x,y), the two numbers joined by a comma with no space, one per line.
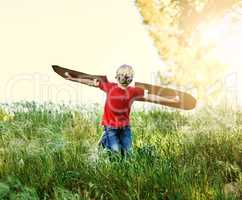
(117,139)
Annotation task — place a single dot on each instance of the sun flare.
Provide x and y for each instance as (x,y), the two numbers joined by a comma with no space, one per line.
(224,41)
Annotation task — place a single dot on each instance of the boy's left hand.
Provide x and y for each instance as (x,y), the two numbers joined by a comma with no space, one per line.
(176,99)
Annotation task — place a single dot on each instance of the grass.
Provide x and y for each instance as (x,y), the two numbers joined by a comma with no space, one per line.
(49,152)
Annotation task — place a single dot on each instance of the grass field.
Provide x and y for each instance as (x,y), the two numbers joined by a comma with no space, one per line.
(49,152)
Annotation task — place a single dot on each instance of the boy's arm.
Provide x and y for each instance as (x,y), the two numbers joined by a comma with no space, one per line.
(94,83)
(159,99)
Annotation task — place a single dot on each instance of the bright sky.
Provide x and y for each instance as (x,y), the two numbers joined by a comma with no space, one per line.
(91,36)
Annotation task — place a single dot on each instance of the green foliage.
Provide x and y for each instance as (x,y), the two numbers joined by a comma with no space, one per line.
(13,189)
(5,116)
(4,190)
(53,155)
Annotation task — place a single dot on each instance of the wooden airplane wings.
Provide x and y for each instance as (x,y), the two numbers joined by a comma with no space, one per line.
(62,72)
(186,101)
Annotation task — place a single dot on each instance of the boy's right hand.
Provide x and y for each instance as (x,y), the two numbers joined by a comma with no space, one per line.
(96,82)
(68,76)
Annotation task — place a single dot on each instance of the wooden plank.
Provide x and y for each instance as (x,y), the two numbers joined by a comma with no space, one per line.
(186,101)
(61,71)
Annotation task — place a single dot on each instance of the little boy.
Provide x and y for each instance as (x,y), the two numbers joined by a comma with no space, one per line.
(117,134)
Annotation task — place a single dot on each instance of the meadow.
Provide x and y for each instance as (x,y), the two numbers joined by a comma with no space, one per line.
(49,151)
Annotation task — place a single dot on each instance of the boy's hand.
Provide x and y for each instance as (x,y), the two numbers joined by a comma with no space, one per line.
(151,97)
(176,99)
(96,82)
(68,76)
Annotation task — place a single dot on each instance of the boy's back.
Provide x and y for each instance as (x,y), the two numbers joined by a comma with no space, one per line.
(118,103)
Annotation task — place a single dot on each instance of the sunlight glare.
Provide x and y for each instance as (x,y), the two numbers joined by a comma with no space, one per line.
(225,40)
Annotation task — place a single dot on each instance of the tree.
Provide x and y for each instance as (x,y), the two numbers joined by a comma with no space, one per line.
(174,28)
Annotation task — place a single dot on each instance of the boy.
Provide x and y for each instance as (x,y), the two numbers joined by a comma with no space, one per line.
(117,134)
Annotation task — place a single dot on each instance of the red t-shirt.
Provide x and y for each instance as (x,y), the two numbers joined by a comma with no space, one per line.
(118,103)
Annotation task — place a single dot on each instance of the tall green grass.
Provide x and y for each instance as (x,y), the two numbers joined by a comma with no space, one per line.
(50,152)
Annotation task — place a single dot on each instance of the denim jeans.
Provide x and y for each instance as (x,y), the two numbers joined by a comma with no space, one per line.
(117,139)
